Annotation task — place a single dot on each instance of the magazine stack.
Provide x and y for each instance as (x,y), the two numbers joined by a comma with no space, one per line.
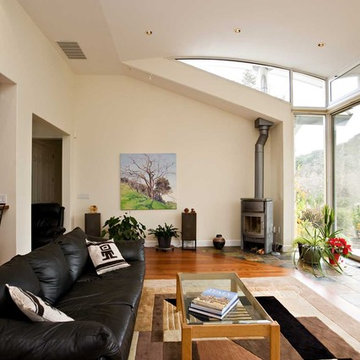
(214,303)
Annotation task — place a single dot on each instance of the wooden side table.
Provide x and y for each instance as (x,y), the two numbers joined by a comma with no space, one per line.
(188,231)
(92,224)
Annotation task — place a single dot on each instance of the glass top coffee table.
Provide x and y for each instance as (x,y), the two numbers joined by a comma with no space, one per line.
(247,320)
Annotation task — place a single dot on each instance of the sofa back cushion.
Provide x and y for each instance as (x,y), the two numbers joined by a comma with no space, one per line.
(75,251)
(131,250)
(52,270)
(17,272)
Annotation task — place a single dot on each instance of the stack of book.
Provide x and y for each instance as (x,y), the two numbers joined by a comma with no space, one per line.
(214,303)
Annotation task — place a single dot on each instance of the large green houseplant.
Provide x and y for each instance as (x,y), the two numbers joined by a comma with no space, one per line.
(312,244)
(124,228)
(164,234)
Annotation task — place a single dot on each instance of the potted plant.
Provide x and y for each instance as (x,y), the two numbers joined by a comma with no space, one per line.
(338,247)
(164,234)
(312,244)
(124,228)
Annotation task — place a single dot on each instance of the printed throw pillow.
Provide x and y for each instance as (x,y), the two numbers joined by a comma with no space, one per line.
(34,307)
(105,256)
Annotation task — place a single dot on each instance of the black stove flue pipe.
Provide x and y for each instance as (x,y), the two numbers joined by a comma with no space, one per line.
(263,126)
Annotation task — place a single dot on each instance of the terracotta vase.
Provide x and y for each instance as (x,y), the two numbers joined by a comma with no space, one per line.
(218,242)
(334,261)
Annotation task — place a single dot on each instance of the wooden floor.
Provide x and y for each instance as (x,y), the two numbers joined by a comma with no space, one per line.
(165,265)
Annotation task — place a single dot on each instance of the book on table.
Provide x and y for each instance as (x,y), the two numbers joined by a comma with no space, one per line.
(214,302)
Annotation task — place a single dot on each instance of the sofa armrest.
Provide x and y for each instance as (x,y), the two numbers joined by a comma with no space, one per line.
(56,340)
(131,250)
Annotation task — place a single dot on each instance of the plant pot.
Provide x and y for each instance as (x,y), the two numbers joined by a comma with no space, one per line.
(309,254)
(164,243)
(334,261)
(218,242)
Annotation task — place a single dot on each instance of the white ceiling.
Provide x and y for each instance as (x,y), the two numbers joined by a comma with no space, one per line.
(283,32)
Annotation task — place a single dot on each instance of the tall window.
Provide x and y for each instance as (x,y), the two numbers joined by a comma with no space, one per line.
(309,168)
(347,174)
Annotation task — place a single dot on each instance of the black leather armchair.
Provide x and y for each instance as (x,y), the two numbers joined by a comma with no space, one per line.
(47,223)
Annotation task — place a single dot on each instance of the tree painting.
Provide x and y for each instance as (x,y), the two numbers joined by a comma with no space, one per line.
(147,181)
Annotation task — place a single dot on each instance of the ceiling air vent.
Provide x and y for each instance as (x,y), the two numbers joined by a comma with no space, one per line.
(71,49)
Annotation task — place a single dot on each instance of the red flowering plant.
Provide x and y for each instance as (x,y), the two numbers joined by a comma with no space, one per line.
(337,247)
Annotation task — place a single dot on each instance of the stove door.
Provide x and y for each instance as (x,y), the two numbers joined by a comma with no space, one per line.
(253,224)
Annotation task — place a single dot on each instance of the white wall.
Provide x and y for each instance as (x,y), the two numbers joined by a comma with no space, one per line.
(117,114)
(215,152)
(7,166)
(43,87)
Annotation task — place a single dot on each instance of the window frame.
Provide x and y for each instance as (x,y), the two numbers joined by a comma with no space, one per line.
(329,111)
(345,97)
(291,78)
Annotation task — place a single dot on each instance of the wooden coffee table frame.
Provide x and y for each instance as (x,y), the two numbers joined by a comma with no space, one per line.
(247,331)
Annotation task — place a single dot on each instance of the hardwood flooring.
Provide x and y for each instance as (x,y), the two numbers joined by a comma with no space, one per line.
(341,289)
(165,265)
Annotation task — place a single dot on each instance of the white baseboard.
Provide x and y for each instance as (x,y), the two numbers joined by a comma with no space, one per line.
(199,243)
(287,248)
(208,243)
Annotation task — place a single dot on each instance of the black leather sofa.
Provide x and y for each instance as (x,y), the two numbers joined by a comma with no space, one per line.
(104,307)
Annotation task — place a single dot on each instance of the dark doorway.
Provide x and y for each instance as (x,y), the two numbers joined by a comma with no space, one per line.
(47,170)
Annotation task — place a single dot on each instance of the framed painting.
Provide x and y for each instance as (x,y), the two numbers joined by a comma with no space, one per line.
(147,181)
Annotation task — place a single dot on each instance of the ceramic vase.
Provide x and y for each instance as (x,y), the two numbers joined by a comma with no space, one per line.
(218,242)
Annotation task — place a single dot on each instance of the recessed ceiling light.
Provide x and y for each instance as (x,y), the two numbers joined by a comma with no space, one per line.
(237,30)
(148,32)
(321,44)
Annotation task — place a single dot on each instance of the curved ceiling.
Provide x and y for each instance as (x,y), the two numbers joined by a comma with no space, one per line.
(282,32)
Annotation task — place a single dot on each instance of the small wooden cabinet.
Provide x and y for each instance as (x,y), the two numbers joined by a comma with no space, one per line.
(92,224)
(188,231)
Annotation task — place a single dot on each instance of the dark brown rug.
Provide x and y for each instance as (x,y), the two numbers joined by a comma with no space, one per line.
(157,333)
(309,338)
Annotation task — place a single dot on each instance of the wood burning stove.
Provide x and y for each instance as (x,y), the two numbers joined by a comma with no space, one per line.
(257,213)
(257,224)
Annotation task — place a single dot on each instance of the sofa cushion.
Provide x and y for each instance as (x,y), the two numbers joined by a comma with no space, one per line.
(105,256)
(73,340)
(131,250)
(120,319)
(75,251)
(108,289)
(34,307)
(16,272)
(52,270)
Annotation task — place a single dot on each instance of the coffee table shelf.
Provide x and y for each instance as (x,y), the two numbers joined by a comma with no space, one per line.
(257,324)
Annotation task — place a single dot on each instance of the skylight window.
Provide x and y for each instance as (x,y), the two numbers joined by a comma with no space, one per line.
(345,85)
(307,91)
(268,79)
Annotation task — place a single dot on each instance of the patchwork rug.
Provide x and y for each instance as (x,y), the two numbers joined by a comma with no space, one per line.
(312,328)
